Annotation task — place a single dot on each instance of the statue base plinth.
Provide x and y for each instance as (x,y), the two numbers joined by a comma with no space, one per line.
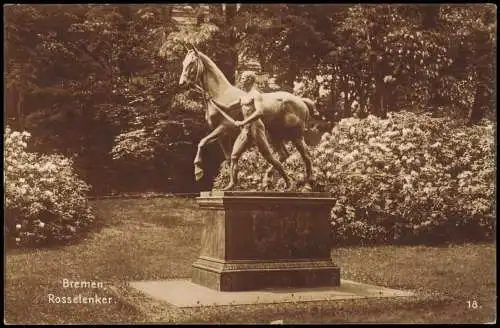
(258,240)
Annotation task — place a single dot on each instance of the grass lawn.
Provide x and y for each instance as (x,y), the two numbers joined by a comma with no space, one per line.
(160,238)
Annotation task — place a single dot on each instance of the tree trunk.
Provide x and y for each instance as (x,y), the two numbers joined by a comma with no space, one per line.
(363,95)
(216,12)
(356,96)
(389,97)
(347,110)
(339,90)
(378,99)
(334,95)
(478,109)
(230,13)
(19,110)
(124,27)
(230,56)
(126,11)
(287,79)
(485,85)
(167,14)
(430,16)
(383,101)
(436,98)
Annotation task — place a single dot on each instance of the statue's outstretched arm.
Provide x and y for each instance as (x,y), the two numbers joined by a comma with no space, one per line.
(226,107)
(256,114)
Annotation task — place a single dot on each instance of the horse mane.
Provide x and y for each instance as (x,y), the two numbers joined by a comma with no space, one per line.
(210,64)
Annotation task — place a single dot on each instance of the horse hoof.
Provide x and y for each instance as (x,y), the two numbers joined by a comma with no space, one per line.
(299,184)
(288,186)
(307,188)
(198,173)
(265,182)
(228,187)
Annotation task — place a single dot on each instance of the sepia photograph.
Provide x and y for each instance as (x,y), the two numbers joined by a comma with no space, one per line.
(237,163)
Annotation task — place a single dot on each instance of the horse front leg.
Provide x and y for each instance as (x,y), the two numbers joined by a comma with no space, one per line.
(211,137)
(226,147)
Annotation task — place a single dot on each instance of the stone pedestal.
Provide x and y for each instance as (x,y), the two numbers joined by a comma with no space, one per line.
(258,240)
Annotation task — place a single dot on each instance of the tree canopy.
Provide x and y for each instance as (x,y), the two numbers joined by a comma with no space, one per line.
(98,82)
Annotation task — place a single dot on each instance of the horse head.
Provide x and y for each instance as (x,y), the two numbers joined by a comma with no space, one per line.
(192,67)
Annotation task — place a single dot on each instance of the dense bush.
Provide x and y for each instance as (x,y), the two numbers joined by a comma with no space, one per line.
(44,199)
(407,178)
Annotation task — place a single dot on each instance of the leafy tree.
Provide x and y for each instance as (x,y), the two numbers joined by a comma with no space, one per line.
(99,83)
(472,29)
(95,75)
(384,57)
(280,35)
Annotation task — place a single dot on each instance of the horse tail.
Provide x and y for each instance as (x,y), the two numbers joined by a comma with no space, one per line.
(311,106)
(312,111)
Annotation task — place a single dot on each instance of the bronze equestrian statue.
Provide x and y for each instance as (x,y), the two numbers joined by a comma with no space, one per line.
(253,129)
(284,115)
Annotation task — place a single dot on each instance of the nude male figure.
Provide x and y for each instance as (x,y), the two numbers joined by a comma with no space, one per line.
(253,129)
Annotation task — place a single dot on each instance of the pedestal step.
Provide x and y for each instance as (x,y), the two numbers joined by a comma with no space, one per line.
(253,275)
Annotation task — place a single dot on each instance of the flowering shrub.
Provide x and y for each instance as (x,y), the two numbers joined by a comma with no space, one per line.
(44,199)
(407,178)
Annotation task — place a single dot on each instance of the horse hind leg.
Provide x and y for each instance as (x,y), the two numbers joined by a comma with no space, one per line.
(283,154)
(301,146)
(265,150)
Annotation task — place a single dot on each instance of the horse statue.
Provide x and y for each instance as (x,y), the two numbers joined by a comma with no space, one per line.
(285,115)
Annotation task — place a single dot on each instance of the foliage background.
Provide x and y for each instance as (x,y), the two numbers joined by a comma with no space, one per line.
(98,83)
(407,179)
